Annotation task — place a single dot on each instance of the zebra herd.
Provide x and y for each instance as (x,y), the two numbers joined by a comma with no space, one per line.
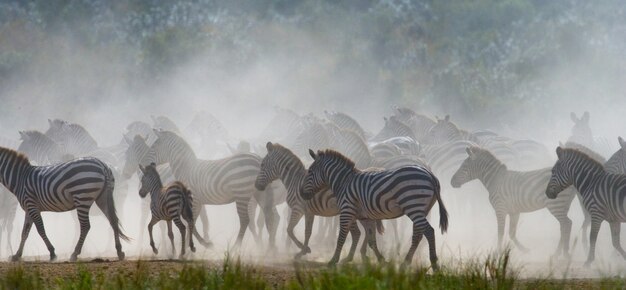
(352,175)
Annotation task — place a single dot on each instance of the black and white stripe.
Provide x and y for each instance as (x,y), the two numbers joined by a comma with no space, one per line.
(75,184)
(386,194)
(73,138)
(603,193)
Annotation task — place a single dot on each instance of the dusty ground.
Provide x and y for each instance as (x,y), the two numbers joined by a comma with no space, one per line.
(275,273)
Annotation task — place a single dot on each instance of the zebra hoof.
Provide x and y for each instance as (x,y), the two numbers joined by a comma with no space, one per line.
(53,257)
(332,263)
(121,256)
(16,258)
(155,251)
(73,258)
(346,260)
(193,249)
(307,250)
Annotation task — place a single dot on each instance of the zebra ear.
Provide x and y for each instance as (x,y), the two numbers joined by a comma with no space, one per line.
(23,135)
(269,146)
(622,143)
(572,115)
(313,155)
(559,152)
(585,117)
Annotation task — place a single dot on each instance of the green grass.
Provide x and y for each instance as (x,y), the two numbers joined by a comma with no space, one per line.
(490,273)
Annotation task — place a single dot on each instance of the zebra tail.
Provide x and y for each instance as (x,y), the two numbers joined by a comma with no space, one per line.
(443,213)
(187,205)
(379,227)
(110,205)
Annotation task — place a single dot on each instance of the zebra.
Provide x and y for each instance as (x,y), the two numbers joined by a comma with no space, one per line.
(72,137)
(344,121)
(445,131)
(603,193)
(40,148)
(393,128)
(406,144)
(617,161)
(168,203)
(420,124)
(385,150)
(515,192)
(582,134)
(222,181)
(65,186)
(164,123)
(281,163)
(386,194)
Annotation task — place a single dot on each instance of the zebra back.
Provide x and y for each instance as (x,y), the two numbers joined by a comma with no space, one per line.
(617,161)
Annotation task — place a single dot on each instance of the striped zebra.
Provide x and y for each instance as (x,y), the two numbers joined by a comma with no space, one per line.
(73,138)
(387,194)
(603,193)
(281,163)
(582,134)
(40,148)
(284,125)
(446,158)
(168,203)
(222,181)
(617,161)
(393,128)
(66,186)
(385,150)
(420,124)
(164,123)
(445,131)
(515,192)
(345,122)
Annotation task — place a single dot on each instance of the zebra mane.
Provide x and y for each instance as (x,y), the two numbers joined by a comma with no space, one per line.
(287,151)
(584,149)
(485,153)
(18,156)
(583,156)
(338,156)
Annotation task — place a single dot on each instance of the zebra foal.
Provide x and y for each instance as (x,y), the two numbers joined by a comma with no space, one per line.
(168,203)
(385,194)
(603,194)
(75,184)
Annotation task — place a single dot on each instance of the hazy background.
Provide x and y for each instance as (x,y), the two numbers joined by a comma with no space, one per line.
(518,67)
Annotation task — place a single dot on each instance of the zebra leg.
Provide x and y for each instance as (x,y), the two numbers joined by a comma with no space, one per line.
(191,225)
(346,221)
(501,218)
(204,218)
(170,235)
(252,226)
(370,238)
(565,224)
(83,219)
(432,248)
(418,231)
(363,250)
(513,219)
(593,236)
(308,228)
(585,226)
(244,220)
(183,236)
(153,221)
(28,223)
(36,217)
(615,230)
(198,210)
(293,221)
(355,233)
(145,211)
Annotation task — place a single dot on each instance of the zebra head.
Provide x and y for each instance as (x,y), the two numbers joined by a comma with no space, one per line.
(617,162)
(137,149)
(315,180)
(443,131)
(469,167)
(270,167)
(581,132)
(150,180)
(561,176)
